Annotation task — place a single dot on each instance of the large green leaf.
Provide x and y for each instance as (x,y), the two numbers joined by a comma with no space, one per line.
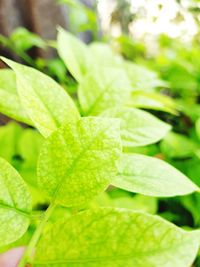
(151,176)
(138,128)
(103,88)
(79,160)
(15,204)
(45,102)
(9,101)
(74,53)
(112,237)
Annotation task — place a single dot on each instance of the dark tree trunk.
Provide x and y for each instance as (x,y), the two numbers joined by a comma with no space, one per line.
(39,16)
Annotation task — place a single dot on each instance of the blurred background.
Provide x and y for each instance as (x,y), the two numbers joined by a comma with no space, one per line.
(145,20)
(161,37)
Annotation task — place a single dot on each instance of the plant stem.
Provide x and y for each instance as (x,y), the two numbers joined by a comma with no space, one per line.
(28,255)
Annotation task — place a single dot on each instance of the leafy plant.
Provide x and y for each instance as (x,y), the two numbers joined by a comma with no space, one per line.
(86,147)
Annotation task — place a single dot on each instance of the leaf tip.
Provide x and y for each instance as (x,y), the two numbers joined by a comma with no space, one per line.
(9,62)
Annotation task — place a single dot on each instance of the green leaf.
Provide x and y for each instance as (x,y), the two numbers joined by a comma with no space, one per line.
(24,39)
(104,55)
(192,204)
(112,237)
(9,135)
(15,204)
(178,146)
(29,146)
(21,242)
(45,102)
(74,53)
(138,128)
(198,127)
(155,101)
(136,202)
(150,150)
(9,101)
(79,160)
(151,176)
(103,88)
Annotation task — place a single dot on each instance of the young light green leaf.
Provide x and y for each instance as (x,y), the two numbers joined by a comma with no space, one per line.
(138,128)
(79,160)
(103,88)
(74,53)
(115,237)
(45,102)
(9,101)
(155,101)
(15,204)
(151,176)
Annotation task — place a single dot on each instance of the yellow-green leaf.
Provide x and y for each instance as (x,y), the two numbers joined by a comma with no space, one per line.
(138,127)
(79,160)
(103,88)
(15,204)
(142,78)
(117,238)
(74,53)
(151,176)
(155,101)
(9,101)
(45,101)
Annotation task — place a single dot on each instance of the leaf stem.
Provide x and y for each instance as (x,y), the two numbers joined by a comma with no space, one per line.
(27,258)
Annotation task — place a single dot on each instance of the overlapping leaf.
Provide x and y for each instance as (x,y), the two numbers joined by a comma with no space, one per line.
(74,53)
(45,102)
(155,101)
(178,146)
(142,78)
(79,160)
(138,128)
(111,237)
(15,204)
(9,101)
(103,55)
(103,88)
(151,176)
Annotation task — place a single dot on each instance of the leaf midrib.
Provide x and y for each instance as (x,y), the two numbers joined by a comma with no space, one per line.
(48,110)
(107,88)
(76,160)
